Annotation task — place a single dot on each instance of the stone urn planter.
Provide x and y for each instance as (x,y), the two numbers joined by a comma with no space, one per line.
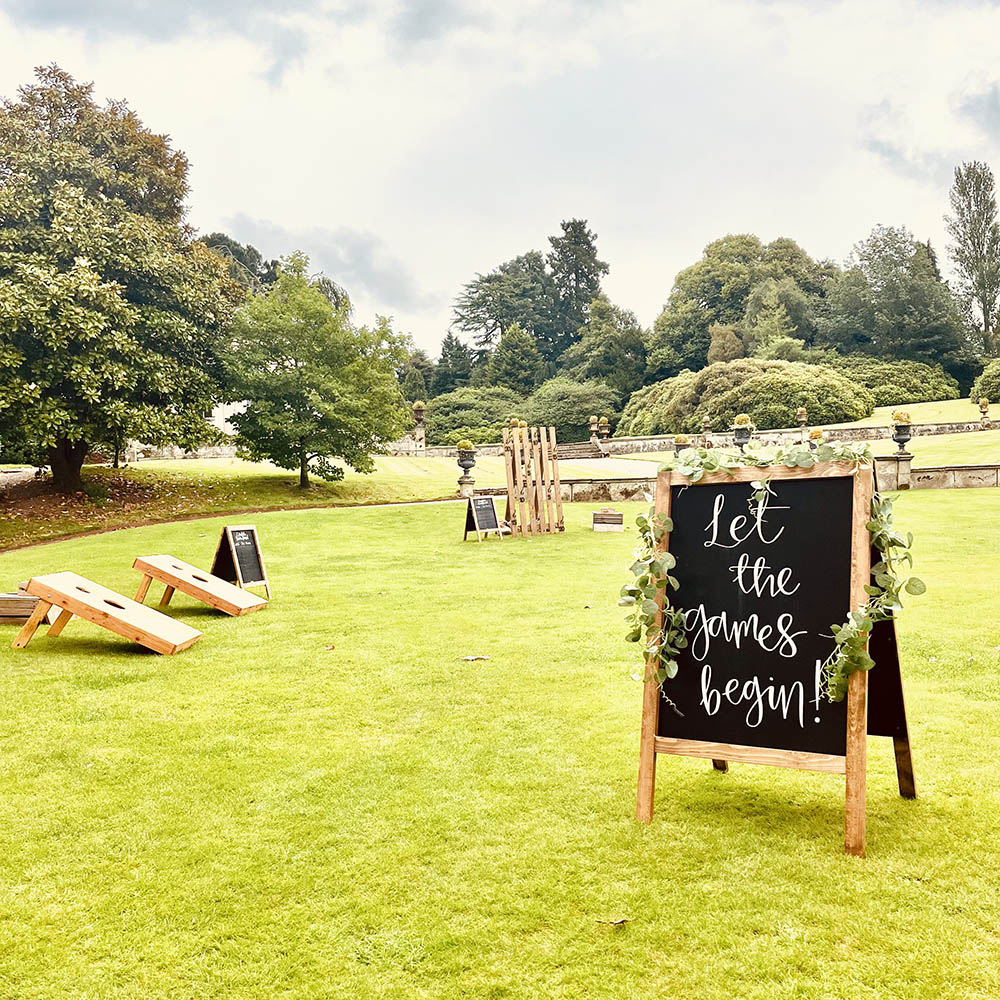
(466,460)
(901,427)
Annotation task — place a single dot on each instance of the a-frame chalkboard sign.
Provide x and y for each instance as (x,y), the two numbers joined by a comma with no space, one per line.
(238,559)
(481,517)
(761,588)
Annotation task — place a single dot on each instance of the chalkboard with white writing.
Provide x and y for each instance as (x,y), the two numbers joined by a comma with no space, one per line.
(761,584)
(481,517)
(238,558)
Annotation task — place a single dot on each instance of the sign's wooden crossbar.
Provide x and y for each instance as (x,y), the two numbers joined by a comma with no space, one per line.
(73,595)
(175,574)
(854,764)
(534,493)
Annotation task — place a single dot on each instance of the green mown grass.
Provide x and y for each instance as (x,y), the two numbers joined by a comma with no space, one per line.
(170,490)
(264,817)
(939,411)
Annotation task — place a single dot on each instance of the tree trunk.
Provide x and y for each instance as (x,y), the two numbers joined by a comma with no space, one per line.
(66,459)
(303,471)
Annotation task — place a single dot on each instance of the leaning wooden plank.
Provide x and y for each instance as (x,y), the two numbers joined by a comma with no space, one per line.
(547,476)
(508,461)
(556,485)
(113,611)
(178,575)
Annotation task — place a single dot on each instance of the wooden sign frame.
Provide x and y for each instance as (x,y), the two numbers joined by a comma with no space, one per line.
(226,550)
(853,765)
(472,520)
(534,493)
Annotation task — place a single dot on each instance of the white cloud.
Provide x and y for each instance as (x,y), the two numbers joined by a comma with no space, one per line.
(409,144)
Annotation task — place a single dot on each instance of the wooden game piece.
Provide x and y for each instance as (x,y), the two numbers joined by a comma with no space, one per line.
(177,575)
(73,594)
(534,497)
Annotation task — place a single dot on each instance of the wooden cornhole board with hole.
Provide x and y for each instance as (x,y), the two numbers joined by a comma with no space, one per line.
(73,594)
(238,559)
(175,574)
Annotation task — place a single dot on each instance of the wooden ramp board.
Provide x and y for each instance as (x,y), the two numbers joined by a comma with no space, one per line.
(176,574)
(76,595)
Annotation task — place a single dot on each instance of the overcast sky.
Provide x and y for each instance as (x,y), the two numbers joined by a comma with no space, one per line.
(408,145)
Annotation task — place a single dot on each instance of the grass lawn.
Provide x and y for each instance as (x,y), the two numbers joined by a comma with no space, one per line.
(263,816)
(940,411)
(162,491)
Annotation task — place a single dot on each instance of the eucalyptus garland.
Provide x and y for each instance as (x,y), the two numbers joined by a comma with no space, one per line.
(663,638)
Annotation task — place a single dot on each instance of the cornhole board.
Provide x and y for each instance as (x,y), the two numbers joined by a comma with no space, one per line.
(175,574)
(73,594)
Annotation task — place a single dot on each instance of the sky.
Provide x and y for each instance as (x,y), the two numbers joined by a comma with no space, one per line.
(407,145)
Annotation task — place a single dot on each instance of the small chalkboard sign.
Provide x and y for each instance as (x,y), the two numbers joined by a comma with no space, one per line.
(481,517)
(761,583)
(238,558)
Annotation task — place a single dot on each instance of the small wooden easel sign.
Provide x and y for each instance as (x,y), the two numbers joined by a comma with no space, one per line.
(761,584)
(238,558)
(481,517)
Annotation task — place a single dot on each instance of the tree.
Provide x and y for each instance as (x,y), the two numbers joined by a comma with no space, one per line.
(771,320)
(454,367)
(317,388)
(576,276)
(519,291)
(568,405)
(976,248)
(612,348)
(889,303)
(111,315)
(516,363)
(414,387)
(726,344)
(245,262)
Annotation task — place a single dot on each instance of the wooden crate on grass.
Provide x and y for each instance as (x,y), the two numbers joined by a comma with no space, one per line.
(608,519)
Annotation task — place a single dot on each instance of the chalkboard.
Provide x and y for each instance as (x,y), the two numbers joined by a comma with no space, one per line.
(760,585)
(238,558)
(481,517)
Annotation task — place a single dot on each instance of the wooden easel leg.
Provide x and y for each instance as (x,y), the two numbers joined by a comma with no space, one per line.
(28,629)
(167,594)
(857,762)
(720,765)
(904,767)
(647,752)
(140,594)
(61,622)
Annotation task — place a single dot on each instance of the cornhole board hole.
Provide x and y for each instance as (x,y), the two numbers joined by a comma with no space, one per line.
(175,574)
(73,594)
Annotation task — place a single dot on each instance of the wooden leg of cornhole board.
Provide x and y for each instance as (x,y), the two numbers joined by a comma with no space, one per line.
(720,765)
(28,630)
(167,594)
(140,594)
(61,622)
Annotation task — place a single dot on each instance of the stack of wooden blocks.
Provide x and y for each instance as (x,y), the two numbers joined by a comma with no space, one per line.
(16,609)
(608,519)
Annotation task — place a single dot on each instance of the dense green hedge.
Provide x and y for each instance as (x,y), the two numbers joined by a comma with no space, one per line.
(988,383)
(568,405)
(475,413)
(895,382)
(769,391)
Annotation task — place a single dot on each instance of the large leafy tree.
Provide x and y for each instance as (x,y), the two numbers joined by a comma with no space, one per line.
(246,263)
(718,289)
(612,348)
(974,228)
(111,315)
(519,291)
(547,295)
(317,388)
(891,302)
